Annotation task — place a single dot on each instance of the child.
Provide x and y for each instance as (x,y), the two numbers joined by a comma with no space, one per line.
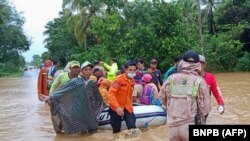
(150,91)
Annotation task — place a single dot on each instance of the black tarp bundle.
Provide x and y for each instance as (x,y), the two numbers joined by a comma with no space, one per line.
(77,105)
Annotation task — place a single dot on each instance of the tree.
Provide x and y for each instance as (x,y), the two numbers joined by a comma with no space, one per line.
(199,23)
(60,40)
(13,41)
(36,61)
(144,29)
(234,13)
(85,11)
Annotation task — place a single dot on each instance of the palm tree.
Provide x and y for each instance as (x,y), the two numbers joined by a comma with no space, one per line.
(84,10)
(208,12)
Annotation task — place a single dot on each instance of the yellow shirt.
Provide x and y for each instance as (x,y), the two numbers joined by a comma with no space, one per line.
(61,79)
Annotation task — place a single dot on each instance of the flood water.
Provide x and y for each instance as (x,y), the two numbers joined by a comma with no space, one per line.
(23,117)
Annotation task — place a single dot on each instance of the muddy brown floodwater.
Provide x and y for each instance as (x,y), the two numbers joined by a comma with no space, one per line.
(24,118)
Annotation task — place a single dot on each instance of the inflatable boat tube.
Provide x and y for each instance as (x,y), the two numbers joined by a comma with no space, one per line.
(146,116)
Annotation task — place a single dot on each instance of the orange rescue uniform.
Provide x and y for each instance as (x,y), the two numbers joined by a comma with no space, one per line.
(120,93)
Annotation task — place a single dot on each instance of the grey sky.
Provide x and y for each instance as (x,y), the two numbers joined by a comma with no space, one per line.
(37,13)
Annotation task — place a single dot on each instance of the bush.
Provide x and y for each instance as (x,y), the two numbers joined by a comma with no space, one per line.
(8,68)
(243,63)
(222,52)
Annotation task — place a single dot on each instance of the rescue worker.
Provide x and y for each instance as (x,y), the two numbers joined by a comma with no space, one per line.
(212,85)
(120,99)
(187,97)
(112,70)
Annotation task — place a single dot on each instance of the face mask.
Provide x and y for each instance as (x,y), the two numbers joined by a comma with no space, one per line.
(131,75)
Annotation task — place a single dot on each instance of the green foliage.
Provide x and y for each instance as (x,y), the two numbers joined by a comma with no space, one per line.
(60,40)
(243,63)
(13,41)
(146,30)
(36,61)
(12,67)
(233,12)
(222,52)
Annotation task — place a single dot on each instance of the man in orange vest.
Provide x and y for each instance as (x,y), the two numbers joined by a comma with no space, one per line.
(120,99)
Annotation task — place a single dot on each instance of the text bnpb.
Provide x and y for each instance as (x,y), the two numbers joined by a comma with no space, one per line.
(219,132)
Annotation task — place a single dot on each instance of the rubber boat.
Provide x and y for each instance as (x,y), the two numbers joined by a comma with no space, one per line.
(146,116)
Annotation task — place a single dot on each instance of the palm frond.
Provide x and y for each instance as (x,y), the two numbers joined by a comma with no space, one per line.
(66,3)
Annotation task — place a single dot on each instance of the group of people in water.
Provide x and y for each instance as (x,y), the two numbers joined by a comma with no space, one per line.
(78,94)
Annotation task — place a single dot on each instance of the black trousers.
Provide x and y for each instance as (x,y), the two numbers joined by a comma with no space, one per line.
(116,120)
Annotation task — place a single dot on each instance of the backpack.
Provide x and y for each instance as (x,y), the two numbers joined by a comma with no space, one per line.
(148,94)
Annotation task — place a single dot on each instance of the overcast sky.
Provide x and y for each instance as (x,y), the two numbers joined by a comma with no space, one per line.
(37,13)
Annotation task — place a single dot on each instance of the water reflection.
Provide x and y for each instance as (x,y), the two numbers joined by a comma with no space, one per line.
(24,118)
(31,73)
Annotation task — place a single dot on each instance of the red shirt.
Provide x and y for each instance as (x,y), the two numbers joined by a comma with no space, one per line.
(213,87)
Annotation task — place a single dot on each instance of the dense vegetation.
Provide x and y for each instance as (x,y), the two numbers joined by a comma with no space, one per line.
(103,29)
(95,29)
(12,40)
